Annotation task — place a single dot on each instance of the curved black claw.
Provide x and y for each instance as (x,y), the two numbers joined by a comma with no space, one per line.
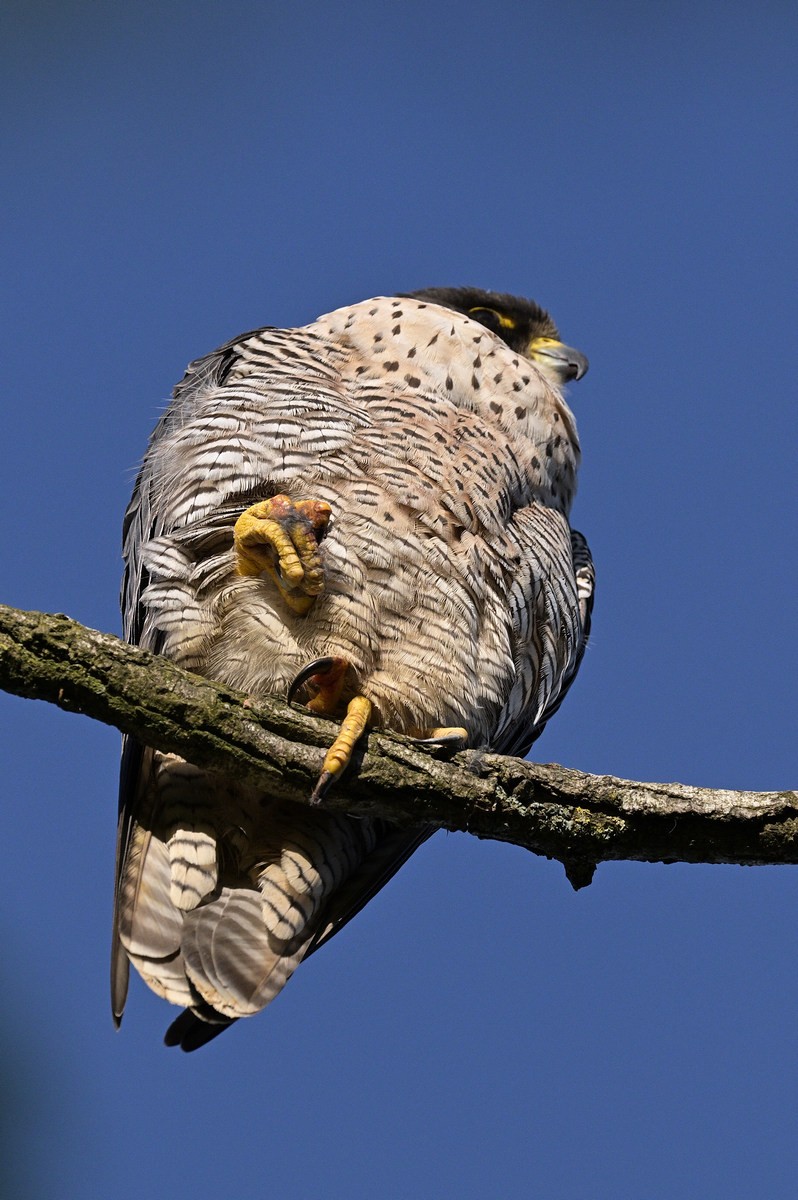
(322,787)
(319,666)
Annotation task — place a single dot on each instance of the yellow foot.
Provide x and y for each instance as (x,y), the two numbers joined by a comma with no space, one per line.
(339,755)
(444,735)
(281,536)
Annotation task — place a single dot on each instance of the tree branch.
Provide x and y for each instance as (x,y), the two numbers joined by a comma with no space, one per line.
(577,818)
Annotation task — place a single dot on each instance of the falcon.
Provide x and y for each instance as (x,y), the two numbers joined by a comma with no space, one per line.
(368,514)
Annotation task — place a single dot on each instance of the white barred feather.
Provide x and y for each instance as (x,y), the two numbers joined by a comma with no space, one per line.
(454,587)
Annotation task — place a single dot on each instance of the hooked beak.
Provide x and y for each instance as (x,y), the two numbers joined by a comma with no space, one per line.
(562,361)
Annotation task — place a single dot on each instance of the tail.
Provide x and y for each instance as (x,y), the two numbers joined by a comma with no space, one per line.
(222,897)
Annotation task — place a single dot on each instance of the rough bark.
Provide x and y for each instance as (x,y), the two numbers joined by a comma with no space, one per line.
(577,818)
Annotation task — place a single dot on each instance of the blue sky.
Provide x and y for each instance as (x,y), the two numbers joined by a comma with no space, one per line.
(176,173)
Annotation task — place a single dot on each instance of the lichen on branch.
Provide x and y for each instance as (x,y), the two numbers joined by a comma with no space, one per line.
(577,818)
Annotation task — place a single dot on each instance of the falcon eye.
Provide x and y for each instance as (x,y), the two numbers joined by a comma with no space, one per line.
(491,319)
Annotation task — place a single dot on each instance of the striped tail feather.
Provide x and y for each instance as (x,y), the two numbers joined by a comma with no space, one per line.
(216,916)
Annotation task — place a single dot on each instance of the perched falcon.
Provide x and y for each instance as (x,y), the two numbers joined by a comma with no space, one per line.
(369,512)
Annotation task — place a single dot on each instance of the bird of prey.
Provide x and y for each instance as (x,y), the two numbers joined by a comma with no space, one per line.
(371,513)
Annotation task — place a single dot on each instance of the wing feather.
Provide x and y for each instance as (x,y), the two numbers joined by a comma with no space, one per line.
(220,894)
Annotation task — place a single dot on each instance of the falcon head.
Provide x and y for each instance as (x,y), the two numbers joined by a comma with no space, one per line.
(522,324)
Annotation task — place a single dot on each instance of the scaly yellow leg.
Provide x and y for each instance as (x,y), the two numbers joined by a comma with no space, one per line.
(325,677)
(339,755)
(281,536)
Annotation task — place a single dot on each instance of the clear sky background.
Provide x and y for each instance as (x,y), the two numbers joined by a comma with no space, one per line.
(176,173)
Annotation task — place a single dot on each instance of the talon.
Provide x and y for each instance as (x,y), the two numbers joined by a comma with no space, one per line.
(339,755)
(446,736)
(322,787)
(327,677)
(281,536)
(318,666)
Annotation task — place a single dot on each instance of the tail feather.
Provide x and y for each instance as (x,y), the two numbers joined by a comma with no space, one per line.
(167,978)
(149,924)
(195,1028)
(230,956)
(222,892)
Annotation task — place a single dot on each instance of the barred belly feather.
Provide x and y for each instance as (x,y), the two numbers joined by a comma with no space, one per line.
(453,586)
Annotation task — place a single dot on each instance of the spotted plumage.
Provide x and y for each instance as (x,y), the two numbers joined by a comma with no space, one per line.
(433,432)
